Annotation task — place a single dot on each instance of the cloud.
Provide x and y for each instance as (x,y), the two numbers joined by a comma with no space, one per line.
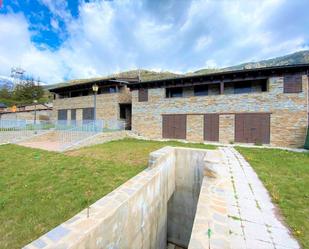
(180,36)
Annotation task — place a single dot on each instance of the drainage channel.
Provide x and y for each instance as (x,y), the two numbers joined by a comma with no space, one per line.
(153,210)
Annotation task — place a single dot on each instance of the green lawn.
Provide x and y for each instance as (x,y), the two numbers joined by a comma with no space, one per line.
(286,176)
(40,189)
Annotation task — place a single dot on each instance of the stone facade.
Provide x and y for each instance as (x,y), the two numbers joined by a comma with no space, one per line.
(107,105)
(288,121)
(195,128)
(226,128)
(27,115)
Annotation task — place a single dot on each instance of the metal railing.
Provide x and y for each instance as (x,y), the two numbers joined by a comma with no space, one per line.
(12,131)
(67,134)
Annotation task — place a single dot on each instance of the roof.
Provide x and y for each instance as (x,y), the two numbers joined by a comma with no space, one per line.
(223,76)
(87,83)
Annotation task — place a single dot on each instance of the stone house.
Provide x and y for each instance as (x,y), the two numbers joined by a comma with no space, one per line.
(263,106)
(75,102)
(28,112)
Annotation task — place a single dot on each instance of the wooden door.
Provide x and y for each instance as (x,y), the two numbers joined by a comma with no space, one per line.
(174,126)
(252,128)
(211,127)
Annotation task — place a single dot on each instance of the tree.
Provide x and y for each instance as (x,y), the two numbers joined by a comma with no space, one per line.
(28,91)
(5,92)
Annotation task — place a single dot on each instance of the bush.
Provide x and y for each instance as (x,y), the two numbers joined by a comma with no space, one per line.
(307,141)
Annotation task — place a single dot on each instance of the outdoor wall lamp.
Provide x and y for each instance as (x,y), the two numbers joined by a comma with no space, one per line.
(95,88)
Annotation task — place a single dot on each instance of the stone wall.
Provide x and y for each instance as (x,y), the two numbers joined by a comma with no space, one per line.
(195,128)
(289,114)
(226,128)
(27,115)
(107,104)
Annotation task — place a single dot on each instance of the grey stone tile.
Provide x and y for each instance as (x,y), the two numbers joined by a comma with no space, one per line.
(257,244)
(235,226)
(282,237)
(39,243)
(57,233)
(237,242)
(256,231)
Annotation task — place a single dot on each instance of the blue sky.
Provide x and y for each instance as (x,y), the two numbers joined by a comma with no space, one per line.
(58,40)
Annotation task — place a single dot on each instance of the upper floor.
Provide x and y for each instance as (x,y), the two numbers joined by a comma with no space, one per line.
(285,81)
(82,93)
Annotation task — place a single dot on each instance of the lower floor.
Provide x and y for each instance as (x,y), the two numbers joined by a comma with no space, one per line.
(284,129)
(121,113)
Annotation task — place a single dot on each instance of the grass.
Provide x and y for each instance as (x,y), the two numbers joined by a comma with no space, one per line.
(40,189)
(286,176)
(131,151)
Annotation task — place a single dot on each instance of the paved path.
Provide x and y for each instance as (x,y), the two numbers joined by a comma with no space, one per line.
(252,218)
(43,145)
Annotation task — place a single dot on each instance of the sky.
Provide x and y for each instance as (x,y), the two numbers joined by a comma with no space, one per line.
(59,40)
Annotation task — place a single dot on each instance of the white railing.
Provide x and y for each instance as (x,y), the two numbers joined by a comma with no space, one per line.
(68,133)
(12,131)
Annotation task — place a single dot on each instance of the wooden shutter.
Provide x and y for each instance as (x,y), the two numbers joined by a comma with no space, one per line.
(142,95)
(211,127)
(292,83)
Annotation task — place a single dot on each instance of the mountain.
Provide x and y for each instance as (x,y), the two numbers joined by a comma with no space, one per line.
(145,75)
(6,81)
(300,57)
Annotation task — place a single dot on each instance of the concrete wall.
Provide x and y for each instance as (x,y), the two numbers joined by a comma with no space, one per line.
(156,206)
(182,205)
(289,114)
(101,138)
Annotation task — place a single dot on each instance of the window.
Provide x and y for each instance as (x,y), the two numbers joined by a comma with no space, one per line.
(174,92)
(242,87)
(62,114)
(110,89)
(123,110)
(73,114)
(201,90)
(63,95)
(292,84)
(142,95)
(76,94)
(85,93)
(88,114)
(264,86)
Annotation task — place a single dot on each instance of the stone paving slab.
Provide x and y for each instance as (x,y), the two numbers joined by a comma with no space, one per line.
(252,218)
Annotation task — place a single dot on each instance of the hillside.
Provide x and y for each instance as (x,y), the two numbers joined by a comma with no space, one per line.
(300,57)
(146,75)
